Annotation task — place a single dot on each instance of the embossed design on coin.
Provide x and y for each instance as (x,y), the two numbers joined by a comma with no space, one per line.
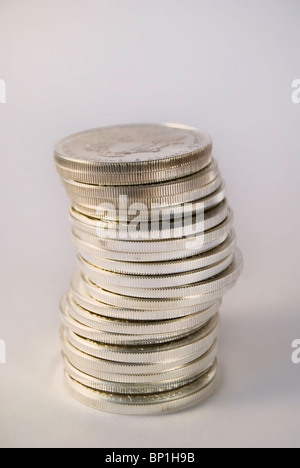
(133,143)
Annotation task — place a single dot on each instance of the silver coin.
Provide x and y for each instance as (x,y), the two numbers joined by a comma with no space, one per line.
(124,203)
(106,279)
(112,370)
(122,337)
(142,303)
(133,154)
(190,345)
(167,310)
(194,244)
(151,231)
(143,192)
(177,211)
(128,388)
(140,320)
(85,247)
(195,262)
(137,326)
(93,367)
(123,340)
(205,220)
(200,289)
(160,403)
(184,367)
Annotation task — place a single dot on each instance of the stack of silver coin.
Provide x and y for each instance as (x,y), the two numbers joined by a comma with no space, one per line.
(156,254)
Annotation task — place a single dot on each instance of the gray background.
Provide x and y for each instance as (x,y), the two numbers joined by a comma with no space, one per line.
(225,66)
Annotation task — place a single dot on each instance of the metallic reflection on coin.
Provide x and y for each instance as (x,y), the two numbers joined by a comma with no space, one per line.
(156,254)
(133,154)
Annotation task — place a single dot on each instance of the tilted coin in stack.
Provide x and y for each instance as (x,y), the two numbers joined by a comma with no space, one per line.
(133,154)
(156,253)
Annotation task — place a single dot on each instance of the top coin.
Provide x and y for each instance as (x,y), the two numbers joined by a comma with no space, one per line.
(133,154)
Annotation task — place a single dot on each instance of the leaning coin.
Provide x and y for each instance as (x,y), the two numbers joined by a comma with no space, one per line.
(144,192)
(195,262)
(106,279)
(187,366)
(157,310)
(90,366)
(120,338)
(123,202)
(133,154)
(194,243)
(194,343)
(191,249)
(177,211)
(153,229)
(160,403)
(128,388)
(227,277)
(137,326)
(142,303)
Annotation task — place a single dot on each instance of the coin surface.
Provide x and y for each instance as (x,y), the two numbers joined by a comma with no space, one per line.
(133,154)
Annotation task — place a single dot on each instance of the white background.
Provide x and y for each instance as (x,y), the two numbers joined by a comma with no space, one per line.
(225,66)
